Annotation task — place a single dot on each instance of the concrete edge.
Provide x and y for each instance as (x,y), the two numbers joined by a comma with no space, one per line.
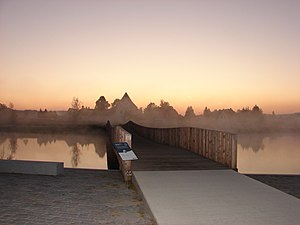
(140,192)
(32,167)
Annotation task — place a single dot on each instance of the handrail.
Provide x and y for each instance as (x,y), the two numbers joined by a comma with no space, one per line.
(118,134)
(216,145)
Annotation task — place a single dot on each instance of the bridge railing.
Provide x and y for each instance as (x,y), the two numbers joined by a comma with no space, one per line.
(218,146)
(118,134)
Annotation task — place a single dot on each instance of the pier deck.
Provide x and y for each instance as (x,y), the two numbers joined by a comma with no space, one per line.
(153,156)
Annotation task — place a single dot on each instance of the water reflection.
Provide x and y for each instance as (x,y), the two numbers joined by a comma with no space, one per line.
(75,155)
(275,153)
(76,150)
(13,146)
(252,141)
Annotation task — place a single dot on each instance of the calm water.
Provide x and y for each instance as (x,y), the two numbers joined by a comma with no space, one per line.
(76,151)
(257,153)
(269,153)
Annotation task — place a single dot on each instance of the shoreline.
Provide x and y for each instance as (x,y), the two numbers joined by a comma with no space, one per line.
(289,184)
(52,128)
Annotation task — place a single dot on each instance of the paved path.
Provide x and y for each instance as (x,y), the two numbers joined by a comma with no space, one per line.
(215,197)
(78,197)
(181,187)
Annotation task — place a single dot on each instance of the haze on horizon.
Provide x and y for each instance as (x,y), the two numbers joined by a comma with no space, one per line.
(219,54)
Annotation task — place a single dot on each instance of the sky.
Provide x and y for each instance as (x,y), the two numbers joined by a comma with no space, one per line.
(214,53)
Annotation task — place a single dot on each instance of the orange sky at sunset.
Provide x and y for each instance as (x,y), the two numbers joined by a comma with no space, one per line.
(219,54)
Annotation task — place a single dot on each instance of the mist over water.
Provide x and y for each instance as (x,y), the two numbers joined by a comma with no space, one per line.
(267,143)
(120,111)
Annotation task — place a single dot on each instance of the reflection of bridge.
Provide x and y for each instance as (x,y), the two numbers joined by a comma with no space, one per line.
(182,187)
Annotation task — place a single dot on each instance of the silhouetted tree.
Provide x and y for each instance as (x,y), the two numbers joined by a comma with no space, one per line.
(256,110)
(189,112)
(206,111)
(167,110)
(151,107)
(2,106)
(115,103)
(164,104)
(76,104)
(102,104)
(11,105)
(244,110)
(13,116)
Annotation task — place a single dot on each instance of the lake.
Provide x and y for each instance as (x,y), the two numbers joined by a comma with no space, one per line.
(88,151)
(257,153)
(269,153)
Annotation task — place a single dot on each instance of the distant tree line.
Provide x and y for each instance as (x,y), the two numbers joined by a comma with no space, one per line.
(165,109)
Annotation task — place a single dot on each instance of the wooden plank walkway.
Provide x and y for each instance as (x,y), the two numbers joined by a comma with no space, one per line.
(158,157)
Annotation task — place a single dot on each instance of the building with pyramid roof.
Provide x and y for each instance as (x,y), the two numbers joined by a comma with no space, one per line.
(126,106)
(124,110)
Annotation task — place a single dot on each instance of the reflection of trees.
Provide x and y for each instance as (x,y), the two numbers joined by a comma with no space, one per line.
(251,141)
(98,139)
(75,155)
(44,139)
(25,141)
(13,146)
(2,152)
(2,139)
(100,146)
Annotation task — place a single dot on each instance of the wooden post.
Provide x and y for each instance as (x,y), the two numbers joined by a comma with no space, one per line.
(121,135)
(234,152)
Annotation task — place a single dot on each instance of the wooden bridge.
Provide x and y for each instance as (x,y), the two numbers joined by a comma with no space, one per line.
(154,156)
(187,176)
(177,148)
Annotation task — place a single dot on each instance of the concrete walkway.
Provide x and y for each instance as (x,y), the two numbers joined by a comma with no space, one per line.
(213,197)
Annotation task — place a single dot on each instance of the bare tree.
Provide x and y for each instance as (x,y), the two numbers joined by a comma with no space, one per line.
(76,104)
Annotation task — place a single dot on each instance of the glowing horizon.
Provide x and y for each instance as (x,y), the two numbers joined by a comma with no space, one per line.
(217,54)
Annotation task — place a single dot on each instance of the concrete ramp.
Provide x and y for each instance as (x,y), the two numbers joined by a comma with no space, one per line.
(214,197)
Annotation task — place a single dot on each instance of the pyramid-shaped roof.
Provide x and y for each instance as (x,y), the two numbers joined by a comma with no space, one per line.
(126,103)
